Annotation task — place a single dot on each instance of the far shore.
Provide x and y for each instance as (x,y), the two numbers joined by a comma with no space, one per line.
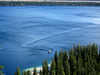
(45,1)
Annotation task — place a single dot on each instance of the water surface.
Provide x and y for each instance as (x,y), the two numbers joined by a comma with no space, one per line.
(28,32)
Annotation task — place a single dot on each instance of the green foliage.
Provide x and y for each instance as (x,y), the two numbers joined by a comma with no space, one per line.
(53,73)
(28,72)
(34,72)
(61,71)
(22,72)
(53,68)
(45,67)
(55,57)
(67,68)
(41,73)
(56,60)
(58,67)
(81,60)
(25,73)
(66,63)
(79,66)
(18,71)
(65,56)
(73,64)
(60,58)
(23,3)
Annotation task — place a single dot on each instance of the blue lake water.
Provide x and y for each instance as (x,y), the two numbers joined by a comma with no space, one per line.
(28,32)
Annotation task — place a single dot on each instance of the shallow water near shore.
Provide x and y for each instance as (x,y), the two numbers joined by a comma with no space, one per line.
(27,33)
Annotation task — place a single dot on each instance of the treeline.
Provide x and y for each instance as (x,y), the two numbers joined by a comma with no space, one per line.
(80,60)
(23,3)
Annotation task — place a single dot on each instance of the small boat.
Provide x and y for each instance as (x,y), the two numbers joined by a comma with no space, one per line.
(49,51)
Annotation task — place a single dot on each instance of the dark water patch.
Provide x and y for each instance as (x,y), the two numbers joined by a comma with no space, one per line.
(4,50)
(34,26)
(38,48)
(87,15)
(6,35)
(2,20)
(35,17)
(32,22)
(34,53)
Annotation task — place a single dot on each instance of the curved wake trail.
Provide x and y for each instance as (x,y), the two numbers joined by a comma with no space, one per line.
(52,36)
(75,29)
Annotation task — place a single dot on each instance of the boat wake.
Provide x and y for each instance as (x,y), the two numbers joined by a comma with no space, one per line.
(63,32)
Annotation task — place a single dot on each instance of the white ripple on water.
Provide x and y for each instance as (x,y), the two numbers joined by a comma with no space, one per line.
(10,43)
(66,31)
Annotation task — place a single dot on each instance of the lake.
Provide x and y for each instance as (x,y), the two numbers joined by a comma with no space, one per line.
(28,32)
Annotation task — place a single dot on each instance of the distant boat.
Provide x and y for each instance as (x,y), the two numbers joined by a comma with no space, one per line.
(50,51)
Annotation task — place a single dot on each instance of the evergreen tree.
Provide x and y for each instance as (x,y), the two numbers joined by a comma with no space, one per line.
(67,68)
(61,57)
(25,73)
(41,73)
(82,61)
(93,72)
(22,72)
(53,73)
(74,73)
(98,68)
(82,71)
(79,66)
(58,68)
(62,71)
(46,63)
(84,54)
(90,50)
(99,55)
(85,69)
(75,51)
(79,51)
(98,59)
(65,57)
(53,68)
(55,57)
(45,67)
(34,72)
(73,64)
(94,50)
(70,53)
(18,71)
(28,72)
(88,66)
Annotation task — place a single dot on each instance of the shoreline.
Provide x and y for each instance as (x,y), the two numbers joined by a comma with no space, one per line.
(49,3)
(44,1)
(38,68)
